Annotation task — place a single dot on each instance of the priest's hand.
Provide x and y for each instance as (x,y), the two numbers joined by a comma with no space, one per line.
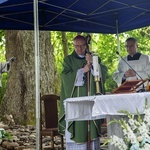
(88,58)
(129,73)
(87,68)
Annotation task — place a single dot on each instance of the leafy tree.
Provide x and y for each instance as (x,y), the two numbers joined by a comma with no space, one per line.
(105,45)
(19,97)
(2,59)
(2,46)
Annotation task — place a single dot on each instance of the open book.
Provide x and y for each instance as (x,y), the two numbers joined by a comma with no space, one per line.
(129,86)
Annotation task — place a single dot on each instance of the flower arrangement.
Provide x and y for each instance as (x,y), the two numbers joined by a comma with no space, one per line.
(136,131)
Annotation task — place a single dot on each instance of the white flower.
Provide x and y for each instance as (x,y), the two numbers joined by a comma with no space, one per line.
(147,112)
(139,138)
(131,122)
(143,128)
(118,142)
(136,132)
(146,147)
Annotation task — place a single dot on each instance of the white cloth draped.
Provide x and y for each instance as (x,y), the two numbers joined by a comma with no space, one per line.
(96,107)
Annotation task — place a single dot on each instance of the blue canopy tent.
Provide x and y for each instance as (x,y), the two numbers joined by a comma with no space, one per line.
(93,16)
(90,16)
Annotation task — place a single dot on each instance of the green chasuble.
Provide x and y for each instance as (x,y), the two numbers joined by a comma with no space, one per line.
(78,129)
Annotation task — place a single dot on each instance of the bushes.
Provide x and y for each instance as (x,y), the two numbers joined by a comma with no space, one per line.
(3,88)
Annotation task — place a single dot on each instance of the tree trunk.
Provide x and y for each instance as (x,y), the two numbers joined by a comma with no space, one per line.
(19,98)
(64,43)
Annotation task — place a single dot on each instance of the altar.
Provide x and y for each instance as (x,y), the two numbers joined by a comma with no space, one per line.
(105,106)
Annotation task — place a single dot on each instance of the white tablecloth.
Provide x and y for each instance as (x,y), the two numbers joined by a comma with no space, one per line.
(96,107)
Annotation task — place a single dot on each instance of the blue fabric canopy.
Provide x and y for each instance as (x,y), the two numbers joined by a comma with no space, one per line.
(93,16)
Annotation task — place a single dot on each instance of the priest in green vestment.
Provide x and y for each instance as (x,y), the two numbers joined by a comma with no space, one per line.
(74,84)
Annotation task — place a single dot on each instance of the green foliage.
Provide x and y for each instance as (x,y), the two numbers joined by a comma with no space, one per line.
(58,48)
(2,59)
(5,135)
(2,46)
(105,45)
(3,88)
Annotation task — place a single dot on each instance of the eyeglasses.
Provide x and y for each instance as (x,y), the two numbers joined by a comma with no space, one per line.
(79,46)
(129,46)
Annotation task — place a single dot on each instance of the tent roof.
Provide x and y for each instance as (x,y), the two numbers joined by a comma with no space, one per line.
(93,16)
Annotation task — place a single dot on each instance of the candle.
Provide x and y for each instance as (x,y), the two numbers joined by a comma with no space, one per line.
(96,66)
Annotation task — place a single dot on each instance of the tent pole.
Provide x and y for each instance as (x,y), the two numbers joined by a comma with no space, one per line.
(37,73)
(118,41)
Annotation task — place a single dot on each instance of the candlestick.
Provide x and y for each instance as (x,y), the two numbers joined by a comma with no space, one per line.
(97,73)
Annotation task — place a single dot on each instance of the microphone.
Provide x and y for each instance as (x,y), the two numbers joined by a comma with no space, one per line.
(132,69)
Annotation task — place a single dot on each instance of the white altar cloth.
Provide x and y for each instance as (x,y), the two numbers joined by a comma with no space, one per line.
(96,107)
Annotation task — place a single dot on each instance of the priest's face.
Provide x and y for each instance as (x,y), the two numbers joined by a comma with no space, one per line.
(80,46)
(131,47)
